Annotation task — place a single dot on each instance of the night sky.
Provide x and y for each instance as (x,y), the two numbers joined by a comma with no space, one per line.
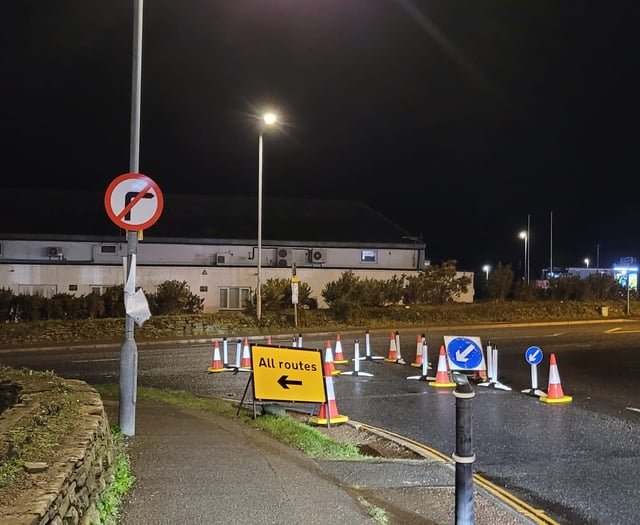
(456,119)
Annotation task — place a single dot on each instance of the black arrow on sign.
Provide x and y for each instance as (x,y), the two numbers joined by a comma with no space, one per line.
(284,382)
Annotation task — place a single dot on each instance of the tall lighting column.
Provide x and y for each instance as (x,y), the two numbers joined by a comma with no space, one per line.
(268,119)
(523,235)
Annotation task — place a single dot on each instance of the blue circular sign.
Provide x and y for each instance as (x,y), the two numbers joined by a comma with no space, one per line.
(533,355)
(465,353)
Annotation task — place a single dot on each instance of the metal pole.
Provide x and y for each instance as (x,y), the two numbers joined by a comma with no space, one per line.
(528,244)
(464,456)
(129,349)
(259,275)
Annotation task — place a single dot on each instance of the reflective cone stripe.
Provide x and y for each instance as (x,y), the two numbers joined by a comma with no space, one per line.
(418,361)
(245,362)
(442,375)
(216,363)
(393,352)
(554,392)
(339,357)
(329,368)
(328,412)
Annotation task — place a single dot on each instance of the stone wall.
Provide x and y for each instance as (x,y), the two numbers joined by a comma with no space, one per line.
(65,490)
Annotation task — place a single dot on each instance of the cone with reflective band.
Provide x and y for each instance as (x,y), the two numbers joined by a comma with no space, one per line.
(442,375)
(268,339)
(554,392)
(418,360)
(329,368)
(245,362)
(392,357)
(216,363)
(328,413)
(339,357)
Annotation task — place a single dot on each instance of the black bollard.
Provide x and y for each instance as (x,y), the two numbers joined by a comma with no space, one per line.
(464,456)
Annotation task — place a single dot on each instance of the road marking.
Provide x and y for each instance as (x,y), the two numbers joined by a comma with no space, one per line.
(633,409)
(620,331)
(93,360)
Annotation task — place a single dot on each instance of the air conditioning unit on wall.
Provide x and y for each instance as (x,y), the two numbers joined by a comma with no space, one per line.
(318,255)
(283,257)
(54,251)
(222,259)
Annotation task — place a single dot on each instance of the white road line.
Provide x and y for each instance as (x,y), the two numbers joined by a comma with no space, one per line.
(620,331)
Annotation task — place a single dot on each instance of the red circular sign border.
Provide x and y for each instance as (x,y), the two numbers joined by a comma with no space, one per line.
(131,176)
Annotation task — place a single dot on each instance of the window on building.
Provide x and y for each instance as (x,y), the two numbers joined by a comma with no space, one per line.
(108,248)
(98,289)
(73,287)
(234,297)
(45,290)
(204,288)
(369,255)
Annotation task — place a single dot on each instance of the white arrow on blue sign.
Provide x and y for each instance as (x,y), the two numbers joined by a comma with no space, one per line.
(533,355)
(465,353)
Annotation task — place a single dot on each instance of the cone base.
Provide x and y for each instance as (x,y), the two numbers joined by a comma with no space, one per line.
(398,361)
(563,399)
(314,420)
(445,385)
(341,361)
(336,372)
(211,370)
(416,364)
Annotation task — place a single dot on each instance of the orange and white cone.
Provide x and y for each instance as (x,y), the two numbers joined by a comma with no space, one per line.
(418,361)
(328,412)
(216,362)
(442,375)
(554,392)
(329,368)
(268,339)
(392,357)
(245,362)
(339,357)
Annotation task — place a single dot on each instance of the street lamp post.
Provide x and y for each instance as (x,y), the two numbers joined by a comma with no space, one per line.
(523,235)
(268,119)
(586,262)
(486,269)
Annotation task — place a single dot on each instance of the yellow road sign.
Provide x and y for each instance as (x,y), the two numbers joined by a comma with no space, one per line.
(288,374)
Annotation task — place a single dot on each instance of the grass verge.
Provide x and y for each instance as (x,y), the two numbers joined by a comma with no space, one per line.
(109,503)
(288,430)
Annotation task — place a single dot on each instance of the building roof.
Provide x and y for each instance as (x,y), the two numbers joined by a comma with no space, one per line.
(54,213)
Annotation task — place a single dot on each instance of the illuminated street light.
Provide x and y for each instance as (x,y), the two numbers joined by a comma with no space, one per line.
(269,119)
(523,235)
(486,269)
(586,262)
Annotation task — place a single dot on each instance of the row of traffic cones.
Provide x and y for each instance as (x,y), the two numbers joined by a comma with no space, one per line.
(243,357)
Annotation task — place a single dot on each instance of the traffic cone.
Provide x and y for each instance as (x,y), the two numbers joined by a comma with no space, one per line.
(393,352)
(339,358)
(216,363)
(245,362)
(269,340)
(554,392)
(328,412)
(442,375)
(329,368)
(419,343)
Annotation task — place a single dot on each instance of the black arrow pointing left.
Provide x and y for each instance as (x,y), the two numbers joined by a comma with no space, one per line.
(284,382)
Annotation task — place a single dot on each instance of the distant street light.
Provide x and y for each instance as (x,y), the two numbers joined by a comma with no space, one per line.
(586,262)
(269,119)
(486,269)
(523,235)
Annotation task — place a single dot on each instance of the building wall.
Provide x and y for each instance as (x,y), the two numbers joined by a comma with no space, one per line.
(80,267)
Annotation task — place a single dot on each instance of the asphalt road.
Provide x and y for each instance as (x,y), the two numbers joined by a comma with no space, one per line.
(578,461)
